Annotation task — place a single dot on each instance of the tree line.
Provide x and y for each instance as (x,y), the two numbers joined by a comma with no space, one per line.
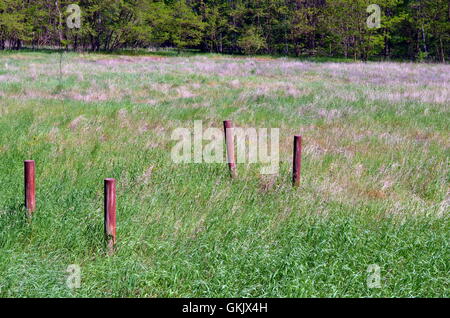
(409,29)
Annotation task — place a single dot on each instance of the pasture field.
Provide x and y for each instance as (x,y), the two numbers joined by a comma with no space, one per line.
(374,187)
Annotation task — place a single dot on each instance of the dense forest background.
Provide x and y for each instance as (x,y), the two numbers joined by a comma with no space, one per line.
(410,29)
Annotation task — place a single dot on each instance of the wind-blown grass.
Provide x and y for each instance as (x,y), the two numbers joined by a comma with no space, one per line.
(374,188)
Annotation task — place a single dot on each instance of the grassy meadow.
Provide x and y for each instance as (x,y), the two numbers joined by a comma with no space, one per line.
(374,187)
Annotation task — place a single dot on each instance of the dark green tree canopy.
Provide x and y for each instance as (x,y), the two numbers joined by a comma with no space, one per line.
(409,29)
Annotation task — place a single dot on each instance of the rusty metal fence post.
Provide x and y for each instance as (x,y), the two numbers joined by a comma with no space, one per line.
(110,213)
(297,161)
(229,140)
(30,185)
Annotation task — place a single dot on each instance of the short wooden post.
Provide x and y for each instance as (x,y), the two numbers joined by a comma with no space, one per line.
(229,140)
(110,214)
(297,161)
(30,185)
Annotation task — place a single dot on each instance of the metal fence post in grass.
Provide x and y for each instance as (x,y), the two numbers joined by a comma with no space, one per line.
(110,213)
(297,161)
(229,140)
(30,185)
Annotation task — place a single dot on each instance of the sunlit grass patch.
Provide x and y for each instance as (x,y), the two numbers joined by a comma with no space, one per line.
(374,186)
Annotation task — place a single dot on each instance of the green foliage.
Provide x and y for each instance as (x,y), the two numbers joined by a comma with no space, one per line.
(334,28)
(251,41)
(186,26)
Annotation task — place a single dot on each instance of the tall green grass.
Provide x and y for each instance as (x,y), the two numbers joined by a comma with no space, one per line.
(187,230)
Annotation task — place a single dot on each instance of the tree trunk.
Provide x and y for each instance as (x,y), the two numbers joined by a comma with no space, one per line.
(424,40)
